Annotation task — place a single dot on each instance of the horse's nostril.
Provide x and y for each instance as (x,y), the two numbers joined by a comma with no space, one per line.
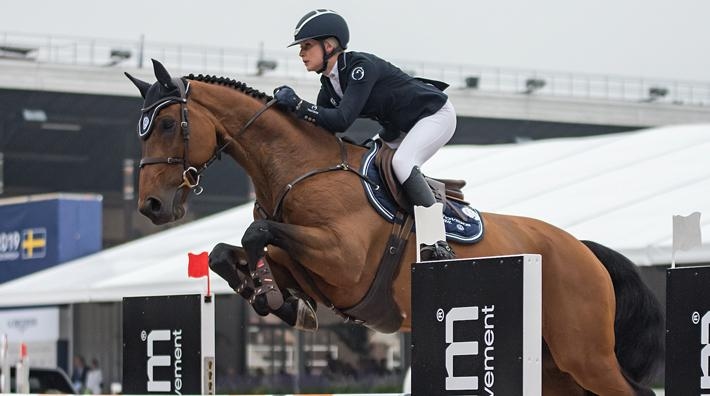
(151,206)
(154,204)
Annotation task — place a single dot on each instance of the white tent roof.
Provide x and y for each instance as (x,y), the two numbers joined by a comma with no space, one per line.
(620,190)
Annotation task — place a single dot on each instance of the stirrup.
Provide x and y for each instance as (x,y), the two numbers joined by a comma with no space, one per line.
(439,251)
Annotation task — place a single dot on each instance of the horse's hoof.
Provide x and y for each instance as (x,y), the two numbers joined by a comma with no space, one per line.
(306,318)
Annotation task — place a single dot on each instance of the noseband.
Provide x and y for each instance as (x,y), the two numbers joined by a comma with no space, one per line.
(190,174)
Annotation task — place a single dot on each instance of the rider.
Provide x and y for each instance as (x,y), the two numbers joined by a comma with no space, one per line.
(417,118)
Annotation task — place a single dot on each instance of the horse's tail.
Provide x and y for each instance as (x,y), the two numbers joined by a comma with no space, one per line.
(639,325)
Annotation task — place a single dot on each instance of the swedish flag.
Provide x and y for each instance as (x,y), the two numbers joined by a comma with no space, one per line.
(34,243)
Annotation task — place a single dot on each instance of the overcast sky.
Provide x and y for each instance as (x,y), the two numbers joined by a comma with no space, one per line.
(635,38)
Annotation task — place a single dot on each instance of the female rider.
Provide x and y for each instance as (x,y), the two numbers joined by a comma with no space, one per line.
(417,118)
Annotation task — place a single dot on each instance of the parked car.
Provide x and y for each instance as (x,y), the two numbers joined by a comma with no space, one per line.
(45,380)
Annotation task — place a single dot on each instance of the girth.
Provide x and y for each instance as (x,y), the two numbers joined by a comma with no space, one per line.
(378,309)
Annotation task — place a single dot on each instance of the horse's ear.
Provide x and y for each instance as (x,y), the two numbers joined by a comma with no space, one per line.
(162,75)
(142,85)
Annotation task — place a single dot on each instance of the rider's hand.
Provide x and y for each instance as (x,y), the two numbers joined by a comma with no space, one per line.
(287,98)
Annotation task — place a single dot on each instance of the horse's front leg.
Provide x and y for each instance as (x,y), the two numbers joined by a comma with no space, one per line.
(230,263)
(298,309)
(335,259)
(267,295)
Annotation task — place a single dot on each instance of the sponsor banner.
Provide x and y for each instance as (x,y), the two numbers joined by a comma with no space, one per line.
(476,326)
(688,331)
(37,234)
(162,345)
(29,325)
(42,354)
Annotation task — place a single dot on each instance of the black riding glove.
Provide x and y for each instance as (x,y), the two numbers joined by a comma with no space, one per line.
(287,98)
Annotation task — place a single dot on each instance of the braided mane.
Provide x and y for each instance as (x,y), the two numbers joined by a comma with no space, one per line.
(255,93)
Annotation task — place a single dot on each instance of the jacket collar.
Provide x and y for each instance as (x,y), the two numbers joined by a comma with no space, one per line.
(343,70)
(342,75)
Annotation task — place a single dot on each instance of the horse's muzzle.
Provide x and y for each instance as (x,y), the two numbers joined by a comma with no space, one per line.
(154,209)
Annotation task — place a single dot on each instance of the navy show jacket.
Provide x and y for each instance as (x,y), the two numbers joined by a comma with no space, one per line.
(374,88)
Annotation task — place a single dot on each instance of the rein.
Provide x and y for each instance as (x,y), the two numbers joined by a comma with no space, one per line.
(191,175)
(343,165)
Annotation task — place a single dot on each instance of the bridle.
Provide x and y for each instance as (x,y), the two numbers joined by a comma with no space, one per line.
(191,175)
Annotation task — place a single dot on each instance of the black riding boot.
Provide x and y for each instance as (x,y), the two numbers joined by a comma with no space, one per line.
(429,212)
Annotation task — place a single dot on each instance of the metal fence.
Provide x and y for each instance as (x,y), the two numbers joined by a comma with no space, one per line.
(236,62)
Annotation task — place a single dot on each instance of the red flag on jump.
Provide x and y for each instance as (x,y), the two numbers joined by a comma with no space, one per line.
(198,265)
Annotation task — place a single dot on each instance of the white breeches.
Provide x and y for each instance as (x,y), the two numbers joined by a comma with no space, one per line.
(425,138)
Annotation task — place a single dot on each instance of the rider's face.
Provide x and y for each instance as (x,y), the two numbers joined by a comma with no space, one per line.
(312,55)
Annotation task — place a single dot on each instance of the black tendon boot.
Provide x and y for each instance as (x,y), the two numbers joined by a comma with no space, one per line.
(428,213)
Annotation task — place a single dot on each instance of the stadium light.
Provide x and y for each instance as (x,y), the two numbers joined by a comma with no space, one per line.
(472,82)
(655,93)
(533,84)
(118,55)
(263,65)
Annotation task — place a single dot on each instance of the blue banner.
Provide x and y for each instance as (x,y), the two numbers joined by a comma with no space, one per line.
(39,233)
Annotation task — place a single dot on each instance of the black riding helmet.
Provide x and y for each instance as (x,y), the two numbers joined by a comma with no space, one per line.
(319,25)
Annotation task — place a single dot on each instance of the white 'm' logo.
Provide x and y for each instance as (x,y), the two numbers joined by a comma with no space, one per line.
(705,352)
(157,360)
(469,348)
(459,348)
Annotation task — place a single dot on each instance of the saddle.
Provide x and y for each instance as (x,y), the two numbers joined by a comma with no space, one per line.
(444,189)
(462,223)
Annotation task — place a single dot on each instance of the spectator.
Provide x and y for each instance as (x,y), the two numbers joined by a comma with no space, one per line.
(94,378)
(78,374)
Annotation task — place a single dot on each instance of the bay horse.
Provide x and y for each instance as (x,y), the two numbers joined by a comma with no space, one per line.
(602,327)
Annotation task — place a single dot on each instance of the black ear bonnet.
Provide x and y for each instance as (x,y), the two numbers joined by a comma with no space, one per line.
(157,97)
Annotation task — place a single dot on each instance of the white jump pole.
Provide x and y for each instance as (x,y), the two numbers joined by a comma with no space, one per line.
(4,366)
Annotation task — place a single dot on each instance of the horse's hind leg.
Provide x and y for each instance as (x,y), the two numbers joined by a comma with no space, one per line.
(554,381)
(578,324)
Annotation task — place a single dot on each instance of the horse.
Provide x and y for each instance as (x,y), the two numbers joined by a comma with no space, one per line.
(602,327)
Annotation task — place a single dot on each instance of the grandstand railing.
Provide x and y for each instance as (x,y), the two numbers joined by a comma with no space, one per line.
(239,62)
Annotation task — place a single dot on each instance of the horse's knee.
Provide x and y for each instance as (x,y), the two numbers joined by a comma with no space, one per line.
(221,255)
(256,235)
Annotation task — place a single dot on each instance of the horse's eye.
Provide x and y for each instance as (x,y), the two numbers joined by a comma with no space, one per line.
(167,124)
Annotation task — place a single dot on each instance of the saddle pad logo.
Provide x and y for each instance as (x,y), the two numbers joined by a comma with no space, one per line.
(470,213)
(358,73)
